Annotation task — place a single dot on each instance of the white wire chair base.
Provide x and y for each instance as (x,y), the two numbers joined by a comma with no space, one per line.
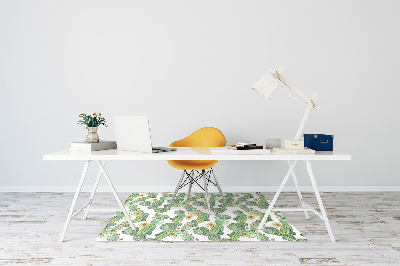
(191,179)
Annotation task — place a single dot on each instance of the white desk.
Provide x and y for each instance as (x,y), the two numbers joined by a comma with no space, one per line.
(194,154)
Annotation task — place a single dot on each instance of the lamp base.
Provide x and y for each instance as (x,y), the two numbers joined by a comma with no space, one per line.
(293,151)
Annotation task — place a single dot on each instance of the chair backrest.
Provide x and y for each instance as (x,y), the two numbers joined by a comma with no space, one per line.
(204,137)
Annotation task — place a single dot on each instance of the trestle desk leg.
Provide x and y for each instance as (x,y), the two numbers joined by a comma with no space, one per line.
(93,192)
(271,205)
(299,192)
(116,196)
(321,205)
(71,210)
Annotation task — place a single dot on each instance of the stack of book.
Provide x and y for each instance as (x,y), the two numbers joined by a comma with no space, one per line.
(245,146)
(98,146)
(240,148)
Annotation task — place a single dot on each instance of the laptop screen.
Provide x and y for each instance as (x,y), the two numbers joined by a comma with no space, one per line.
(132,133)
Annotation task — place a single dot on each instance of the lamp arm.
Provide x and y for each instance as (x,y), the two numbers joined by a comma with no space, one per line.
(311,102)
(305,117)
(293,88)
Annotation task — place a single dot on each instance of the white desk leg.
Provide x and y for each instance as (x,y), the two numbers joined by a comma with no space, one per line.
(93,192)
(71,210)
(271,205)
(321,205)
(299,192)
(116,195)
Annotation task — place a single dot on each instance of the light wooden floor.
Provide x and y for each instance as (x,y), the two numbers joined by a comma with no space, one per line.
(366,226)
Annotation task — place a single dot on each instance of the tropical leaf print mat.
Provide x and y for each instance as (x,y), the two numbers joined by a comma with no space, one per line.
(235,219)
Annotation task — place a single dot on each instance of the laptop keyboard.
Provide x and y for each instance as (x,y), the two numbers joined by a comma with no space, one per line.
(162,149)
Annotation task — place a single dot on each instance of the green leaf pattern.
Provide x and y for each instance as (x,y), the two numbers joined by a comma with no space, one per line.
(234,219)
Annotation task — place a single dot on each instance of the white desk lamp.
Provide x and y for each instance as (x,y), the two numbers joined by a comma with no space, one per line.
(266,86)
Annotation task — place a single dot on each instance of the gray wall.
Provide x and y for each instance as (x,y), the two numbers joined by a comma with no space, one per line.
(189,64)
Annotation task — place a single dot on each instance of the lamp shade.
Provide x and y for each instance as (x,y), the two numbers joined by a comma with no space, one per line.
(266,86)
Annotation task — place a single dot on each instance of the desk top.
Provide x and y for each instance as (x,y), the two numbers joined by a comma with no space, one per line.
(186,153)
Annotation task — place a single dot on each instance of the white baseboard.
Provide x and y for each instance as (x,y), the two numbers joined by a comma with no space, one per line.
(196,189)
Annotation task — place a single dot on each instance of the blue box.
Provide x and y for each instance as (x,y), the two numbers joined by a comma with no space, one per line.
(318,142)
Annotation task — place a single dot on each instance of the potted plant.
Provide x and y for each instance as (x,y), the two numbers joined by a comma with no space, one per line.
(92,123)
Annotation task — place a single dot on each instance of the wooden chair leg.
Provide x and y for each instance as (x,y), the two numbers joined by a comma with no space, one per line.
(190,184)
(206,191)
(218,186)
(177,188)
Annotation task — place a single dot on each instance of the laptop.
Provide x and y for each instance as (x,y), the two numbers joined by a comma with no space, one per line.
(133,134)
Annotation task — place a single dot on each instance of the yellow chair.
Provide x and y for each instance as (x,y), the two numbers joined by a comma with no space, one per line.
(204,137)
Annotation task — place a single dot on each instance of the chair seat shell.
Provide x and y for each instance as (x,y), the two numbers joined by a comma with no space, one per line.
(204,137)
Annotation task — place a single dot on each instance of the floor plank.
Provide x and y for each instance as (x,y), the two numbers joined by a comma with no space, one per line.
(366,226)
